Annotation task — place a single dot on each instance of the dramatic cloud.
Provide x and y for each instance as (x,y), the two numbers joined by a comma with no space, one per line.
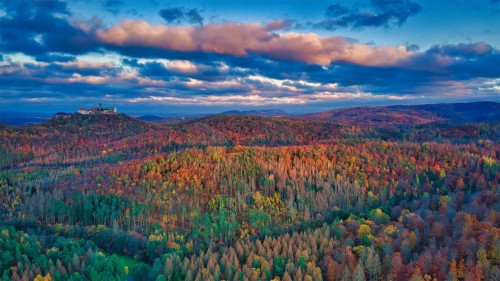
(461,61)
(249,39)
(179,15)
(38,27)
(462,50)
(47,56)
(387,13)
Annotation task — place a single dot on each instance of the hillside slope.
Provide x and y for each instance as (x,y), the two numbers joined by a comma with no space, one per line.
(411,114)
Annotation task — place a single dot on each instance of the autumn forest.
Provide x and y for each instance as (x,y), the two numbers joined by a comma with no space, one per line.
(375,193)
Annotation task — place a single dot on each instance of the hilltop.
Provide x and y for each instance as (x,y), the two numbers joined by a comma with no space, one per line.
(264,112)
(411,114)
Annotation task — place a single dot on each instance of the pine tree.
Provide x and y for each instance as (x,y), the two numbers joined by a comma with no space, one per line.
(359,274)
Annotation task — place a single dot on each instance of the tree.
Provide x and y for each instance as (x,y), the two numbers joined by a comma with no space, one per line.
(161,277)
(364,230)
(286,277)
(359,274)
(417,275)
(453,274)
(333,270)
(43,278)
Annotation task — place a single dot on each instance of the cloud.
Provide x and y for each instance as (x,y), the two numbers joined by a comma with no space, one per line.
(336,10)
(194,16)
(387,13)
(462,50)
(182,66)
(227,63)
(243,40)
(53,57)
(183,69)
(278,24)
(76,79)
(38,27)
(176,82)
(172,15)
(113,6)
(251,100)
(460,61)
(179,15)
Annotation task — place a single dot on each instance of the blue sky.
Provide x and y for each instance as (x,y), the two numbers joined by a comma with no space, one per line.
(210,56)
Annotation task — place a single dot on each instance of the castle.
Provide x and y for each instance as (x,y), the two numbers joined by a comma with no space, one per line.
(98,110)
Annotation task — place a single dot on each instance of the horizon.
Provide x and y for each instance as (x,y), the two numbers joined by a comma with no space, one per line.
(205,57)
(49,114)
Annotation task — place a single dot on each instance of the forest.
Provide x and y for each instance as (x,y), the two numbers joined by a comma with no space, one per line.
(364,194)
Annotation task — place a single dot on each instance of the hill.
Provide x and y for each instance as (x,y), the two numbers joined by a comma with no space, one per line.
(23,118)
(151,118)
(67,140)
(411,114)
(264,112)
(271,131)
(166,118)
(460,112)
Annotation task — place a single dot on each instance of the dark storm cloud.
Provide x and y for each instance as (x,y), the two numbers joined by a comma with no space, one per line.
(433,67)
(154,69)
(375,79)
(38,27)
(460,61)
(179,15)
(172,15)
(455,62)
(274,69)
(387,13)
(462,50)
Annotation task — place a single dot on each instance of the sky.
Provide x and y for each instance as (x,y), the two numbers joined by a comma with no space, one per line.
(195,57)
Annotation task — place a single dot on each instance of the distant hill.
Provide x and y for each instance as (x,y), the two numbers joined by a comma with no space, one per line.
(412,114)
(473,112)
(461,112)
(23,118)
(167,119)
(264,112)
(152,118)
